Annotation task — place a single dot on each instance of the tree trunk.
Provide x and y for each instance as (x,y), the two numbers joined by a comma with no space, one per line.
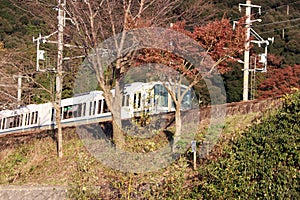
(178,126)
(59,130)
(118,134)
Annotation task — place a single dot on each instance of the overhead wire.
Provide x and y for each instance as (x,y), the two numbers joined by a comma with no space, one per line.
(278,22)
(277,29)
(277,7)
(269,9)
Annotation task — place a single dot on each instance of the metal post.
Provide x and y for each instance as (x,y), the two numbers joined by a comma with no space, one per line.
(194,146)
(19,88)
(247,51)
(37,53)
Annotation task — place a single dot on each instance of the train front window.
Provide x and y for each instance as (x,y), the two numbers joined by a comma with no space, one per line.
(161,96)
(186,101)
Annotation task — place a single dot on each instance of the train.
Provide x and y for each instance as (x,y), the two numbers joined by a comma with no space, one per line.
(91,107)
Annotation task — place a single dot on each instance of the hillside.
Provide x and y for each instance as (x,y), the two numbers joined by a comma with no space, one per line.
(261,161)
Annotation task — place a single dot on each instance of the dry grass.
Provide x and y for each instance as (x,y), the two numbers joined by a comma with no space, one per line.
(36,163)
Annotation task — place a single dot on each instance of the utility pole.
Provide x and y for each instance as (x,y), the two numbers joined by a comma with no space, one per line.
(248,23)
(59,74)
(61,17)
(259,40)
(247,51)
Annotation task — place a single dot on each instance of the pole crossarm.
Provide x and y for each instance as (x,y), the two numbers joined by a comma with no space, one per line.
(249,5)
(260,40)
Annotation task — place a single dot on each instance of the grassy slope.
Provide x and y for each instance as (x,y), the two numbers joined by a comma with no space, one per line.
(263,162)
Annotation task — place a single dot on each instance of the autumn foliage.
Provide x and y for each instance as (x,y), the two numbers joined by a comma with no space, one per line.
(219,41)
(279,81)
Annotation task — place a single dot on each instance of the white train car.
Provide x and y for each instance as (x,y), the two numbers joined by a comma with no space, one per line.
(30,117)
(151,97)
(91,107)
(84,108)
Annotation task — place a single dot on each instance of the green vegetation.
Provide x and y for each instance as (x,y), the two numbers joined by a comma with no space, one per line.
(261,164)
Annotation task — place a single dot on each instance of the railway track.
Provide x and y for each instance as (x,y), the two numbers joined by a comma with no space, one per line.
(15,139)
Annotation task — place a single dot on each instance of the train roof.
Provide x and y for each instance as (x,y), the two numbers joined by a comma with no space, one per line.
(83,97)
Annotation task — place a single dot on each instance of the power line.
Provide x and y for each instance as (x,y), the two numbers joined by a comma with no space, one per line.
(278,7)
(277,29)
(269,9)
(278,22)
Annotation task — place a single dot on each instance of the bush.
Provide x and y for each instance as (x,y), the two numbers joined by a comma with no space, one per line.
(261,164)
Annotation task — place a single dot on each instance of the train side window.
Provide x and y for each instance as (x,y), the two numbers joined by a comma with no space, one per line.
(61,113)
(77,110)
(90,109)
(13,121)
(32,117)
(134,101)
(52,115)
(105,108)
(17,121)
(21,120)
(127,100)
(70,112)
(99,106)
(9,122)
(36,117)
(66,112)
(83,109)
(28,118)
(25,122)
(94,107)
(3,123)
(123,100)
(139,99)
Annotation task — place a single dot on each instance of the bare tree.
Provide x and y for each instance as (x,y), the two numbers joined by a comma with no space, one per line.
(99,20)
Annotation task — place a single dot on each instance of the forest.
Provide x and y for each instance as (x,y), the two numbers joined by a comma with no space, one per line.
(20,21)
